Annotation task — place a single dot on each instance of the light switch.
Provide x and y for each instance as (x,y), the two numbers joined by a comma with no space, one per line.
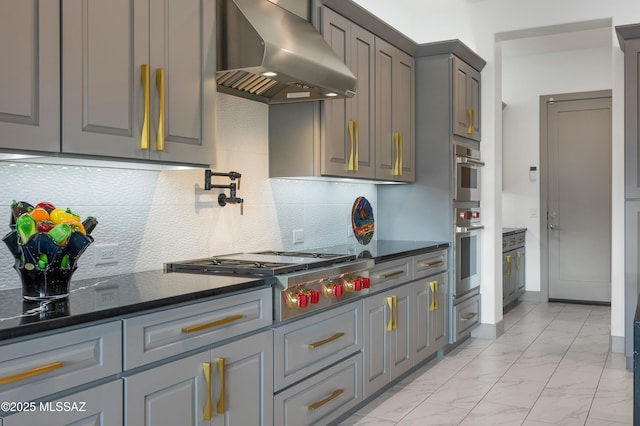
(533,174)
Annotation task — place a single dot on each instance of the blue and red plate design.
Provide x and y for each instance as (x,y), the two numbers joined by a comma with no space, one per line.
(362,220)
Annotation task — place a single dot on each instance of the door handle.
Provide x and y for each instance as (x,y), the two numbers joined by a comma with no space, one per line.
(554,227)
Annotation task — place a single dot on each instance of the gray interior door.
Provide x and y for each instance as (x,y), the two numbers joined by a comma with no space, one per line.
(579,199)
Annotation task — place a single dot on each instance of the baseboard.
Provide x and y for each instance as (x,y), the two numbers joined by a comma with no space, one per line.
(531,296)
(488,331)
(617,344)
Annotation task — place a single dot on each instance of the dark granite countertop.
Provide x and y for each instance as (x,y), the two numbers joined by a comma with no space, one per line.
(510,231)
(385,250)
(110,297)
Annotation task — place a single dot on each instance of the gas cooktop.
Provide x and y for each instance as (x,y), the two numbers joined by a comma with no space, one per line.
(265,263)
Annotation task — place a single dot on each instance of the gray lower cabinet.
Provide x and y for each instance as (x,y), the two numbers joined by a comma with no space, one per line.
(30,80)
(97,406)
(388,337)
(466,315)
(322,398)
(431,315)
(228,385)
(146,95)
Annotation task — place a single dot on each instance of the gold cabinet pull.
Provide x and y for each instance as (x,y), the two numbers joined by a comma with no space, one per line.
(390,305)
(30,373)
(431,264)
(144,136)
(208,372)
(396,143)
(223,321)
(432,305)
(160,86)
(223,386)
(351,125)
(519,256)
(325,341)
(437,286)
(468,317)
(507,260)
(391,274)
(395,312)
(400,143)
(319,404)
(471,127)
(356,160)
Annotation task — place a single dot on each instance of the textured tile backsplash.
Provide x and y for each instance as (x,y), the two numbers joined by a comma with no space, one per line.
(159,216)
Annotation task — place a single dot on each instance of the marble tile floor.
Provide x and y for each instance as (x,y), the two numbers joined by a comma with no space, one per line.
(552,366)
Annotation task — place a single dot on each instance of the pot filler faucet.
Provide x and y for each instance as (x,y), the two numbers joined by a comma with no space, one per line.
(222,198)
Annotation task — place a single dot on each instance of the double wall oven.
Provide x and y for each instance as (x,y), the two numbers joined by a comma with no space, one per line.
(467,229)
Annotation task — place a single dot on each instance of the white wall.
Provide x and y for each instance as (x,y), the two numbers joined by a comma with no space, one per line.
(478,23)
(157,217)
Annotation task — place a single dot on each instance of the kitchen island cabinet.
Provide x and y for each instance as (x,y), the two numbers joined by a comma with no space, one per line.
(30,80)
(227,385)
(513,265)
(136,92)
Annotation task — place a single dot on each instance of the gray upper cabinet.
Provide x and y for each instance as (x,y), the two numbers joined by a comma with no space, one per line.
(466,100)
(138,80)
(629,38)
(369,136)
(30,79)
(395,113)
(349,146)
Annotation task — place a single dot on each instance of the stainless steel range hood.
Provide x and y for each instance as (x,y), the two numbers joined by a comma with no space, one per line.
(270,54)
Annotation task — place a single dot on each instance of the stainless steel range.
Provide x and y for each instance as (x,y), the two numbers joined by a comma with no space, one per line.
(307,281)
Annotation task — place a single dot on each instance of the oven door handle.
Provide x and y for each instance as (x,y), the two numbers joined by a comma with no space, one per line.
(469,161)
(467,229)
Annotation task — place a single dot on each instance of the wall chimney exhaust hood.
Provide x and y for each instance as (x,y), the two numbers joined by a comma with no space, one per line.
(270,54)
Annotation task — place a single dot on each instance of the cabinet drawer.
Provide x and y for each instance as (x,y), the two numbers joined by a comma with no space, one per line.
(388,274)
(428,264)
(98,406)
(466,316)
(44,365)
(322,398)
(170,332)
(309,345)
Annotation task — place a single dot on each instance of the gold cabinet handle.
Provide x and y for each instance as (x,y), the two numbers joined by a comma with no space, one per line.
(471,127)
(30,373)
(507,260)
(319,404)
(390,305)
(212,324)
(223,386)
(325,341)
(396,143)
(356,160)
(352,128)
(208,372)
(395,312)
(431,264)
(144,136)
(468,317)
(432,305)
(437,295)
(391,274)
(160,86)
(519,256)
(400,144)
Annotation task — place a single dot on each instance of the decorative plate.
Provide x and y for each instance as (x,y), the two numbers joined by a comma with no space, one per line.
(362,220)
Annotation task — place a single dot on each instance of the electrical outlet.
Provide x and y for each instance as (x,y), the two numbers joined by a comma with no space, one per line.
(106,253)
(298,236)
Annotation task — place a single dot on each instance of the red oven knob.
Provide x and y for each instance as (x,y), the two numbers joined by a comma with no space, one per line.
(314,297)
(303,300)
(337,290)
(366,282)
(357,283)
(476,215)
